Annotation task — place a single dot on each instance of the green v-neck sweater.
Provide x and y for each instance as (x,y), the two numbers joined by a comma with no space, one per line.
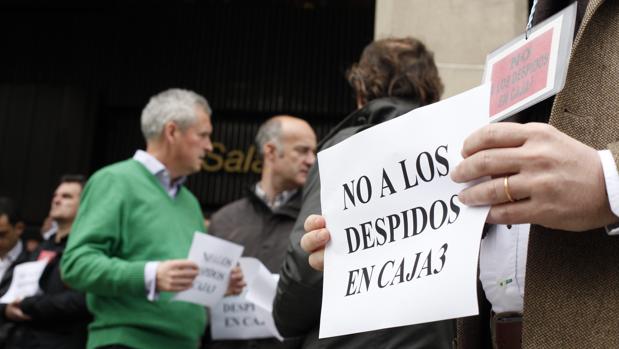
(125,219)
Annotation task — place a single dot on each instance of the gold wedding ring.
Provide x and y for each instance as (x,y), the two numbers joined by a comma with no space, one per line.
(506,188)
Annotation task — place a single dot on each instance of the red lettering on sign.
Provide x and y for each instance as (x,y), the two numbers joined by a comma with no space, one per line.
(520,74)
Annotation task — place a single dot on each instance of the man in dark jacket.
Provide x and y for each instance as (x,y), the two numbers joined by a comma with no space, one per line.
(56,318)
(12,253)
(392,77)
(262,221)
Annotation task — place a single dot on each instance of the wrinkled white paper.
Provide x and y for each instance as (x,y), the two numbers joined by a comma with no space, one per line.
(248,315)
(215,258)
(362,289)
(25,282)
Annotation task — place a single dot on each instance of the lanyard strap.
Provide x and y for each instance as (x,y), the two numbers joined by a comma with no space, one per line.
(529,23)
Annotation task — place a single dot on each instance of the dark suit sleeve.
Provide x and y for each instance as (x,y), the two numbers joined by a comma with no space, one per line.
(65,305)
(297,304)
(219,224)
(296,308)
(3,318)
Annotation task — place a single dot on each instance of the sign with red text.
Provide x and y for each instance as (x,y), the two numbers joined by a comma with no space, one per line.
(530,69)
(403,249)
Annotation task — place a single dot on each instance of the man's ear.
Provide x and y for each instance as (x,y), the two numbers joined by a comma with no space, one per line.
(170,129)
(361,102)
(269,150)
(19,228)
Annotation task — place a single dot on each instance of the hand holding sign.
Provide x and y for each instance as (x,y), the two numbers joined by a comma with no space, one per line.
(215,259)
(398,231)
(25,282)
(176,275)
(315,240)
(236,283)
(555,180)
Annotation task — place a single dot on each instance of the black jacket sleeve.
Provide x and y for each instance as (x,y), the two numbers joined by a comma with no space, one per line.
(65,305)
(296,308)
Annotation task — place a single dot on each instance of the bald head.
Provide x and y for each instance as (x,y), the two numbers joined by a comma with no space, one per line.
(287,145)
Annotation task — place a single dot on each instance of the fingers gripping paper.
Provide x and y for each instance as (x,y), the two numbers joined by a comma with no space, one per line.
(403,249)
(215,258)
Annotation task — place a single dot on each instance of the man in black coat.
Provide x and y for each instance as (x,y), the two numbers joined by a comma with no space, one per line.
(57,317)
(393,77)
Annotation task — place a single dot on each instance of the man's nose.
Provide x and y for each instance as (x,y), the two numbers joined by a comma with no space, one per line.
(310,159)
(208,145)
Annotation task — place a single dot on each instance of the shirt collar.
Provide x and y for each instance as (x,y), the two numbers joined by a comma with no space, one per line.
(279,200)
(14,252)
(51,231)
(157,169)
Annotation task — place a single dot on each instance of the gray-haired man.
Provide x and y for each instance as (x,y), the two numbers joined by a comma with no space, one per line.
(134,228)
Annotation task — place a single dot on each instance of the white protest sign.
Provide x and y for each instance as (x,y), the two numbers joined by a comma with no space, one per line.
(260,285)
(403,249)
(530,69)
(239,317)
(215,258)
(25,282)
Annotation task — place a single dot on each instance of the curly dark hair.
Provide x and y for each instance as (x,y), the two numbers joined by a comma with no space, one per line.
(396,67)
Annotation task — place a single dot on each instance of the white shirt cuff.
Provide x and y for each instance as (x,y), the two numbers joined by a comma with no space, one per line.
(611,177)
(150,280)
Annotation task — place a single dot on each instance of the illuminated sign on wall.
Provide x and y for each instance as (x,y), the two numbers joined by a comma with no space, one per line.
(233,160)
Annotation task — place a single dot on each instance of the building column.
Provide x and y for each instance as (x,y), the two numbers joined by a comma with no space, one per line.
(459,32)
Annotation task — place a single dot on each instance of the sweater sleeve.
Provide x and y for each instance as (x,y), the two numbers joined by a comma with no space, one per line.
(89,263)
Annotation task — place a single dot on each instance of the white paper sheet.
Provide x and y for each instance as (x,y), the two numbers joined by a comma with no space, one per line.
(25,282)
(247,316)
(260,286)
(363,186)
(215,258)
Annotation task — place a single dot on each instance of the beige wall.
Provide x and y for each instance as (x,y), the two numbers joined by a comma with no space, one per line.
(460,32)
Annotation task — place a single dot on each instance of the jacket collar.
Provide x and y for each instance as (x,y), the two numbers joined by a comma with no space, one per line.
(374,112)
(291,208)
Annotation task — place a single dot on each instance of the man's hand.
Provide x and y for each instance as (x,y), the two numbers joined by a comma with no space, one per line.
(315,239)
(554,180)
(14,313)
(176,275)
(236,282)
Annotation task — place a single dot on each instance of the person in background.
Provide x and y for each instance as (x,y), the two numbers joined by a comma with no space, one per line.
(12,253)
(12,249)
(31,238)
(57,317)
(263,219)
(135,226)
(392,77)
(553,197)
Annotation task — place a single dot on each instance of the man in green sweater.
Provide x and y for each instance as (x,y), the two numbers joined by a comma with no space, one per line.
(135,225)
